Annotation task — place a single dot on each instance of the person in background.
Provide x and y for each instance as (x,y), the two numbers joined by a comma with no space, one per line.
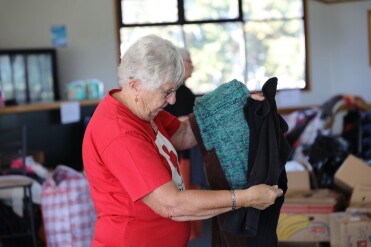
(130,159)
(185,100)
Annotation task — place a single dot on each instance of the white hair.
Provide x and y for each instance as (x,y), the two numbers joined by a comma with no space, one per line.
(152,60)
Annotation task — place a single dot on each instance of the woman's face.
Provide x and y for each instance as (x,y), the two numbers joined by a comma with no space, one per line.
(152,101)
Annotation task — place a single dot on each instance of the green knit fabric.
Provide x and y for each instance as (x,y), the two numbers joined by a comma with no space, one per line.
(220,118)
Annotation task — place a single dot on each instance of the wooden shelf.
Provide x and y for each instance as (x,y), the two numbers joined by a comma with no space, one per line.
(338,1)
(56,106)
(41,107)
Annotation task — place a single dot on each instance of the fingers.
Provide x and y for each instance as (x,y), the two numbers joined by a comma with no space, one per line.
(265,195)
(278,191)
(257,96)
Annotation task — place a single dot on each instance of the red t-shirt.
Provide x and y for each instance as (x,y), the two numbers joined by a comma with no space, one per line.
(124,160)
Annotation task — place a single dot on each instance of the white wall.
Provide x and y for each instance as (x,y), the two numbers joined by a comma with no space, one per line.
(349,53)
(338,42)
(91,51)
(338,51)
(318,55)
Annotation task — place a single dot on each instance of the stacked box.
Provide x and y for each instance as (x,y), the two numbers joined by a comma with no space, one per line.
(350,229)
(304,216)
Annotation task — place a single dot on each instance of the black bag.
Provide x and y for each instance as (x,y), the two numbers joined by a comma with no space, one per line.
(326,155)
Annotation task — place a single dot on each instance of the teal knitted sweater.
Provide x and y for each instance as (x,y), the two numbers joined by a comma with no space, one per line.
(220,118)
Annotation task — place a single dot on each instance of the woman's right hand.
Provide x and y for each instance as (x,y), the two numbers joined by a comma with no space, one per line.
(261,196)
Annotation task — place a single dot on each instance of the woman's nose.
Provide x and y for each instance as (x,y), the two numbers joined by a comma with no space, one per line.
(171,99)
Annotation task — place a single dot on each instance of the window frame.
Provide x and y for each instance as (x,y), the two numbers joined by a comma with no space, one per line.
(181,22)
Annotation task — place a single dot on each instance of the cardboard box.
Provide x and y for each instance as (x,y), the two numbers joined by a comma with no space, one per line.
(361,194)
(304,216)
(352,172)
(314,198)
(37,155)
(303,244)
(297,181)
(360,201)
(360,208)
(350,230)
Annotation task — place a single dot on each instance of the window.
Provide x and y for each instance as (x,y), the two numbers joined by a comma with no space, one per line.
(247,40)
(28,75)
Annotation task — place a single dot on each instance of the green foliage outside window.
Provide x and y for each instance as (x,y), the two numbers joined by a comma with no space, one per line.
(267,39)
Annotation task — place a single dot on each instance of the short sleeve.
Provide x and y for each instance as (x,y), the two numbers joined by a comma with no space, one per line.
(169,122)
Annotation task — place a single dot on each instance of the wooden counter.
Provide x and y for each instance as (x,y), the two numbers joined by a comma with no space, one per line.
(56,106)
(41,106)
(60,143)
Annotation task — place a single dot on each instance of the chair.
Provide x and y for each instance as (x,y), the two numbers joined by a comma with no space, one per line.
(13,179)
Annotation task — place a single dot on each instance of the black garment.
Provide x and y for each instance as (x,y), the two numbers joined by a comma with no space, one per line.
(366,135)
(268,154)
(352,131)
(185,100)
(328,107)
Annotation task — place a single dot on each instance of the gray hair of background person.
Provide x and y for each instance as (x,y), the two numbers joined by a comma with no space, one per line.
(152,60)
(184,53)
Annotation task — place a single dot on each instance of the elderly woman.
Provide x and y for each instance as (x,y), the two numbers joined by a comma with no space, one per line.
(130,158)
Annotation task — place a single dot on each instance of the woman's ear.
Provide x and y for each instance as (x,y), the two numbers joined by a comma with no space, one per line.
(135,85)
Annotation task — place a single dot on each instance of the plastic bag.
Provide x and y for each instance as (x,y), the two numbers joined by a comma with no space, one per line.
(67,208)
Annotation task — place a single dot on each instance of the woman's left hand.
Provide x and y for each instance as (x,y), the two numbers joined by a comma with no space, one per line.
(257,96)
